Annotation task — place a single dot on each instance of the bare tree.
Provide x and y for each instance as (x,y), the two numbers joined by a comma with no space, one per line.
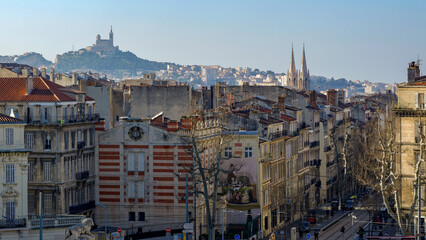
(374,152)
(208,174)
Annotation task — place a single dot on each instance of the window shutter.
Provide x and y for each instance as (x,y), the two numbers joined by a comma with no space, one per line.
(416,100)
(141,162)
(131,190)
(141,189)
(131,161)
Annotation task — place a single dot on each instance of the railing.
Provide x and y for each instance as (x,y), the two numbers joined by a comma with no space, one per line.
(82,207)
(13,223)
(52,119)
(81,145)
(314,144)
(278,134)
(58,221)
(81,176)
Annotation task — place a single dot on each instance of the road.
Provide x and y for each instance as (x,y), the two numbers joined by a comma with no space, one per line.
(334,232)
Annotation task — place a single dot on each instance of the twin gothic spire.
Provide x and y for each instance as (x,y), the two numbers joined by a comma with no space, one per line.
(299,80)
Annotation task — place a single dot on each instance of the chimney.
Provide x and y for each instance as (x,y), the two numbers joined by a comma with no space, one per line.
(43,72)
(30,85)
(413,71)
(52,75)
(74,78)
(172,126)
(254,115)
(24,72)
(83,84)
(186,122)
(281,103)
(276,113)
(36,73)
(313,98)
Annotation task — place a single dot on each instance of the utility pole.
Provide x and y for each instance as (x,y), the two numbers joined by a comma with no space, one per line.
(419,220)
(41,215)
(195,209)
(187,213)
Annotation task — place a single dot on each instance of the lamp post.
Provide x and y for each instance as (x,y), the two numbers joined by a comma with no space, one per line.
(100,204)
(353,217)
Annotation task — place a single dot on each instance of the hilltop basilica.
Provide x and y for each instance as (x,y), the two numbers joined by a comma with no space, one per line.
(299,80)
(104,46)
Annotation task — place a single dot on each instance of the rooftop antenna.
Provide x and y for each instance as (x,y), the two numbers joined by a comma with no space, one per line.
(73,47)
(418,60)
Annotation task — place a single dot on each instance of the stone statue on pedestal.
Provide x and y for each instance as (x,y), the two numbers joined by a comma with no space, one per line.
(80,231)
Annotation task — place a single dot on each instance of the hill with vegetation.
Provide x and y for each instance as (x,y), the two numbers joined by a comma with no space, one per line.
(120,61)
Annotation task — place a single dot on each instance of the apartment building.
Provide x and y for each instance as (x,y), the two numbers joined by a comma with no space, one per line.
(59,133)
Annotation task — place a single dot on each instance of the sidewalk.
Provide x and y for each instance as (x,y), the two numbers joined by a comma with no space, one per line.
(324,223)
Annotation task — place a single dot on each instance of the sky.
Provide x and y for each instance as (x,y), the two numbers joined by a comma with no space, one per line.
(357,40)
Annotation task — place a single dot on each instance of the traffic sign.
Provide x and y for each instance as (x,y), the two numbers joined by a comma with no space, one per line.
(119,230)
(188,226)
(308,236)
(237,237)
(168,230)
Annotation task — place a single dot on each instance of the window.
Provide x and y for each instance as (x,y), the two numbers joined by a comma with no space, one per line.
(31,203)
(30,171)
(9,136)
(141,216)
(10,173)
(141,162)
(29,138)
(47,141)
(228,152)
(132,216)
(85,136)
(79,136)
(72,140)
(46,115)
(141,189)
(131,162)
(65,114)
(91,136)
(47,177)
(248,152)
(47,204)
(10,210)
(131,190)
(66,140)
(66,168)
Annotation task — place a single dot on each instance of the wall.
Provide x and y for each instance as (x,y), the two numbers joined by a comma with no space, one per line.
(146,102)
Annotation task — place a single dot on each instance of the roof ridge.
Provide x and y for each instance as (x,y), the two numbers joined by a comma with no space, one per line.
(48,87)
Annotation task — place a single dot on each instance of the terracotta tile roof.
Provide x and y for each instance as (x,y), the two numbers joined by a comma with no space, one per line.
(7,119)
(14,90)
(287,118)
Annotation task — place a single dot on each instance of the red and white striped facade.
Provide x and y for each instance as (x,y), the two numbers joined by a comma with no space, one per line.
(158,191)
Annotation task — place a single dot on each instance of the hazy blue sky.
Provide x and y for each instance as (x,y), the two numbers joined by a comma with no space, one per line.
(365,40)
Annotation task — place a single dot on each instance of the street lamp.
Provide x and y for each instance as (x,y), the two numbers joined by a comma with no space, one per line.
(353,217)
(100,204)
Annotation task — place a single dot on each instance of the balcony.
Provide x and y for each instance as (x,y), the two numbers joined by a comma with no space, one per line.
(58,221)
(13,223)
(314,144)
(76,209)
(82,176)
(81,145)
(61,120)
(278,134)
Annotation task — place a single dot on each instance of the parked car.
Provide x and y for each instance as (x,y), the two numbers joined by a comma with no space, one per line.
(335,205)
(349,205)
(305,227)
